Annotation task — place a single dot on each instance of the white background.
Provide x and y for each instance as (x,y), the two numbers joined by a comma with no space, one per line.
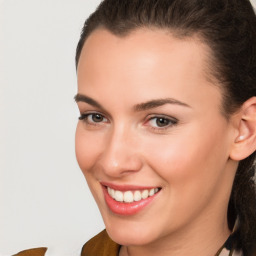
(44,199)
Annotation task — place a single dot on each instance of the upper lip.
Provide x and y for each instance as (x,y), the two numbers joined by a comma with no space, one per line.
(126,187)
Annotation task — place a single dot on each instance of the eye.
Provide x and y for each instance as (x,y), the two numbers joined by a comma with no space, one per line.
(93,118)
(159,122)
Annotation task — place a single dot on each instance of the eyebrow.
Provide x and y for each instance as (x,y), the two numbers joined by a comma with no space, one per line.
(158,103)
(138,107)
(83,98)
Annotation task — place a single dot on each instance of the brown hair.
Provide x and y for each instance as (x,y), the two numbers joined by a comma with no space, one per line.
(228,27)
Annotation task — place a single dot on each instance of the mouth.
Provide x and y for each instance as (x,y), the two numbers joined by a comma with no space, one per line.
(128,200)
(131,196)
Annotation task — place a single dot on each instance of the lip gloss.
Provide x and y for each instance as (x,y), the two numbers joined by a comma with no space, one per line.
(126,209)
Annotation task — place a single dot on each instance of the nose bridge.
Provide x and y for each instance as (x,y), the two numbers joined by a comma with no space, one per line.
(120,155)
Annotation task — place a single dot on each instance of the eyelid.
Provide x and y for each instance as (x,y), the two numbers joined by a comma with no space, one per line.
(151,116)
(84,117)
(91,112)
(173,121)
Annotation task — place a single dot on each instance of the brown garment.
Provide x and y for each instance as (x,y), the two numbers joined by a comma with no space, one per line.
(33,252)
(101,245)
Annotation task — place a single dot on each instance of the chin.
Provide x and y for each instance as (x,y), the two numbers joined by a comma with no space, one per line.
(131,235)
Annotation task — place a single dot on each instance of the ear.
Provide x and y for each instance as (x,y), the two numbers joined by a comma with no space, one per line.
(245,141)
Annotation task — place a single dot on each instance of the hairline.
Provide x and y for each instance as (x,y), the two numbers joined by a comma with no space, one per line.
(180,34)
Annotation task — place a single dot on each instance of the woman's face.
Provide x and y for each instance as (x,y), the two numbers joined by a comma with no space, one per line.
(152,134)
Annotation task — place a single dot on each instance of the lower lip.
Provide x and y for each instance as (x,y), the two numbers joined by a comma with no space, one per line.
(126,209)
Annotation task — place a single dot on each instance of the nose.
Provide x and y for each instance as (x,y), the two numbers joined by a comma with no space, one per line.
(120,155)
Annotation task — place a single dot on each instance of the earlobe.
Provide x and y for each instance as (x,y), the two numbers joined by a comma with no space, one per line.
(245,143)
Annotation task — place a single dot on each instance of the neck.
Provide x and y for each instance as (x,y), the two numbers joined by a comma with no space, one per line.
(205,241)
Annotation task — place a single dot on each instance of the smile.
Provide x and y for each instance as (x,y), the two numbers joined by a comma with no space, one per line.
(131,196)
(128,200)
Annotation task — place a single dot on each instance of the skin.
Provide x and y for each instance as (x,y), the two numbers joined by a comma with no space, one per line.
(189,160)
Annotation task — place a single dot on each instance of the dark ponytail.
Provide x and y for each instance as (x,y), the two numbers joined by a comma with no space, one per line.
(228,27)
(243,204)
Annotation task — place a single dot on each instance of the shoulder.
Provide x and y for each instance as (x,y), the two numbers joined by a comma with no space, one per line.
(102,245)
(33,252)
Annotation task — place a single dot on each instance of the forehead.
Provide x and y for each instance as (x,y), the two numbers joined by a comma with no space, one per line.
(148,45)
(146,62)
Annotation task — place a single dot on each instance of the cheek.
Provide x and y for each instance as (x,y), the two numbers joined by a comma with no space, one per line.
(191,170)
(87,148)
(192,162)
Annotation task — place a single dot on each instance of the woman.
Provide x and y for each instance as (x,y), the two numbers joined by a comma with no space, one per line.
(167,133)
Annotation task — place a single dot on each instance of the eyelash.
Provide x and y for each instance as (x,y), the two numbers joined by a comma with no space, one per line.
(85,117)
(169,121)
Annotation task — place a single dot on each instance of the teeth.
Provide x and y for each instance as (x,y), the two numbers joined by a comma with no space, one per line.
(111,192)
(129,196)
(144,194)
(119,196)
(137,196)
(152,192)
